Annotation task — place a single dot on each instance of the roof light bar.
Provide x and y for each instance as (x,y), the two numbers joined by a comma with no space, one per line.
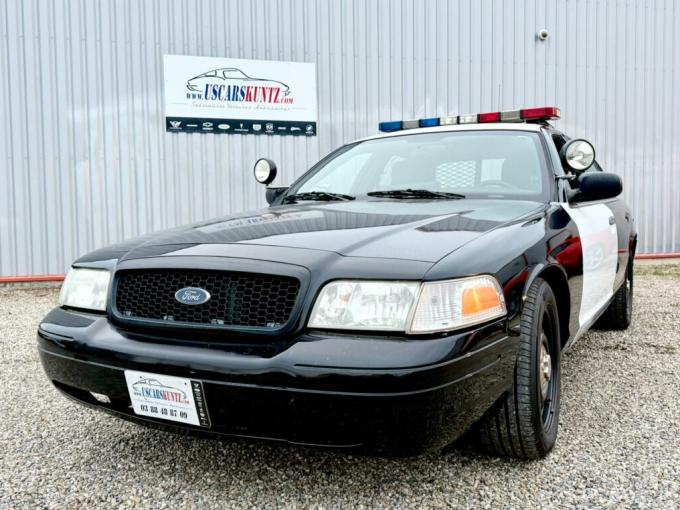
(542,113)
(448,121)
(468,118)
(490,117)
(429,122)
(389,126)
(511,116)
(525,114)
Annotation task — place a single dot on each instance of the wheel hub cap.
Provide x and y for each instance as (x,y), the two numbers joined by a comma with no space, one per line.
(545,367)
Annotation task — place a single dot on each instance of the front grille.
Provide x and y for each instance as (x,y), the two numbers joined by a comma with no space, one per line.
(237,299)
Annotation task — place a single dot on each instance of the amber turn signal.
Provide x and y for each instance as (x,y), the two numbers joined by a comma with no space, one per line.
(480,299)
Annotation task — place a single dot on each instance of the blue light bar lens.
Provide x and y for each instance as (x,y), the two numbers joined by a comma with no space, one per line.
(429,122)
(389,126)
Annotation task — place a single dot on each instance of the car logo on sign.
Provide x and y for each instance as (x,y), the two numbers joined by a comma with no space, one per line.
(192,296)
(175,124)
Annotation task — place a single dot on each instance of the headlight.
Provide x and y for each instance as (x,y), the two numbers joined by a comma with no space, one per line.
(85,288)
(368,305)
(455,304)
(392,306)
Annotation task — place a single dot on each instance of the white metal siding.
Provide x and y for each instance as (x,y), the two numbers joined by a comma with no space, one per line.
(86,160)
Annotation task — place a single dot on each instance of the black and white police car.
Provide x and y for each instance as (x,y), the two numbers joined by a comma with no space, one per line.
(409,288)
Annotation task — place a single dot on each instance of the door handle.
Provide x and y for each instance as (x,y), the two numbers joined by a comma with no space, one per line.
(612,220)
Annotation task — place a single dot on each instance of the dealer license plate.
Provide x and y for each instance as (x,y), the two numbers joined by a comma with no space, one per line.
(167,397)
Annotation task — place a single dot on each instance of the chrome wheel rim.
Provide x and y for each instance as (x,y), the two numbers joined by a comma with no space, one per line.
(547,371)
(545,367)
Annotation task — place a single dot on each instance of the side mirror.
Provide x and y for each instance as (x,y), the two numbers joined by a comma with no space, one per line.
(597,186)
(577,155)
(264,171)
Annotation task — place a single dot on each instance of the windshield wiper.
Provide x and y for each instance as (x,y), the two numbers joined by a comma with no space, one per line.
(322,196)
(414,193)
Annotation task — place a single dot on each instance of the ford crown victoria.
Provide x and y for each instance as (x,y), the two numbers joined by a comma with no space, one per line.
(410,288)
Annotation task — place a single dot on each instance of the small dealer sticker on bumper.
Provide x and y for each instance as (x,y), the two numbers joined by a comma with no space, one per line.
(167,397)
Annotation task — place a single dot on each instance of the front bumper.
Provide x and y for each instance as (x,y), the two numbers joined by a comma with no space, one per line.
(381,394)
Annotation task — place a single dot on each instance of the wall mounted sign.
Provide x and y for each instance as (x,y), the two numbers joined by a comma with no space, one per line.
(237,96)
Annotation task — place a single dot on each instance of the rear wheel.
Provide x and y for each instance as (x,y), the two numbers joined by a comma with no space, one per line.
(619,313)
(523,423)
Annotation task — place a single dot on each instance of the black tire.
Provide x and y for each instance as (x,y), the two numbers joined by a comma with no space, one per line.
(619,313)
(523,423)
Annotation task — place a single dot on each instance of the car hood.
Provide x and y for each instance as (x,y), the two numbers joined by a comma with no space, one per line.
(407,229)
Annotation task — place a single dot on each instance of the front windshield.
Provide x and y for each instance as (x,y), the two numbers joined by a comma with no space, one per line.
(498,164)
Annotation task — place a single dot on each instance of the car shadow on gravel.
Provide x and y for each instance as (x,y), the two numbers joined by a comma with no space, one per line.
(191,461)
(240,461)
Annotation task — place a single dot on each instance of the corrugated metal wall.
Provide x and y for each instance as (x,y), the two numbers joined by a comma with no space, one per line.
(86,160)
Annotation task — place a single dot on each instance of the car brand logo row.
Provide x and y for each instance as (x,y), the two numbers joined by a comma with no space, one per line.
(239,126)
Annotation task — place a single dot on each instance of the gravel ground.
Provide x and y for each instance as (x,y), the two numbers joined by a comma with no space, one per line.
(618,444)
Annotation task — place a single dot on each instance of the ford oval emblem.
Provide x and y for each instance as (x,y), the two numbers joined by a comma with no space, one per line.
(192,296)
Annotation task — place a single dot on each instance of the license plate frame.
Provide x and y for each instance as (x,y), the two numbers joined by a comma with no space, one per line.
(169,398)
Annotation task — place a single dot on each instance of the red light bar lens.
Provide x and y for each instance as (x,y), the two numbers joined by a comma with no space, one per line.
(542,113)
(490,117)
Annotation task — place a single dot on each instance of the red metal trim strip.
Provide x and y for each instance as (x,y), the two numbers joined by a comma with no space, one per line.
(644,256)
(31,279)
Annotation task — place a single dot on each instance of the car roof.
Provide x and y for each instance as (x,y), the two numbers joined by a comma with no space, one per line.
(500,126)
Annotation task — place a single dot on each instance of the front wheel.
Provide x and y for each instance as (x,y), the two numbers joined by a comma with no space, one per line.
(523,423)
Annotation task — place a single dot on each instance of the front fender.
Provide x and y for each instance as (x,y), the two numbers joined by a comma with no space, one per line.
(557,278)
(546,245)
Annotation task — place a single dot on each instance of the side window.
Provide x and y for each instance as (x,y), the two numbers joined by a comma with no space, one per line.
(559,140)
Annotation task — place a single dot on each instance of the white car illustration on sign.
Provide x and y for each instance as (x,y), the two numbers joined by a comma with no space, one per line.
(232,75)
